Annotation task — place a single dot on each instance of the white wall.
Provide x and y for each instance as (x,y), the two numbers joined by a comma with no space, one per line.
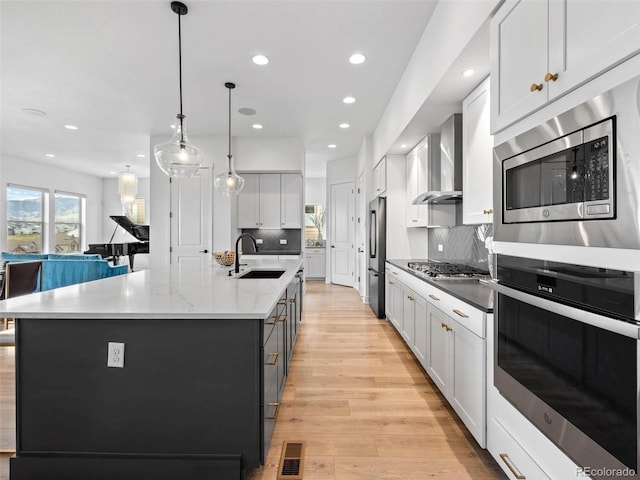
(42,175)
(448,32)
(260,154)
(315,191)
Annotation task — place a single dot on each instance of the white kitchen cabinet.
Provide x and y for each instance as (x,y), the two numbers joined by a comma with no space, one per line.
(249,202)
(270,200)
(420,328)
(291,200)
(417,171)
(380,177)
(259,201)
(543,49)
(456,358)
(314,263)
(477,157)
(408,315)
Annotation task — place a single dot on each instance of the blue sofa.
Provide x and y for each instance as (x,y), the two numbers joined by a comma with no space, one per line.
(60,270)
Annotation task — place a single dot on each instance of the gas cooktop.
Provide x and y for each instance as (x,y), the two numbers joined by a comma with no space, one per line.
(447,271)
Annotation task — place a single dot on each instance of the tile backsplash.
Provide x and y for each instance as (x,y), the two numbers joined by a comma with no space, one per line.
(464,244)
(271,240)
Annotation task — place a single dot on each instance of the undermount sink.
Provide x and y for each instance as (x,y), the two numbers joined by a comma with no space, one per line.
(261,274)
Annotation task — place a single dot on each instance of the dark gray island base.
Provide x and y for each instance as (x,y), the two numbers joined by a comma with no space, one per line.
(196,399)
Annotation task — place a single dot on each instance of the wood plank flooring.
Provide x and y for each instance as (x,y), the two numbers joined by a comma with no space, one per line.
(364,406)
(355,395)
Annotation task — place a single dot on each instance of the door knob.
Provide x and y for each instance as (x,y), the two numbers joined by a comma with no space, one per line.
(333,246)
(550,77)
(535,86)
(204,251)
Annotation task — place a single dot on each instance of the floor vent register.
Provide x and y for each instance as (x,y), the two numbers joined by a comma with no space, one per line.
(291,461)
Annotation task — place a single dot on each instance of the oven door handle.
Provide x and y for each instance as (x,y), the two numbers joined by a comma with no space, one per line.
(610,324)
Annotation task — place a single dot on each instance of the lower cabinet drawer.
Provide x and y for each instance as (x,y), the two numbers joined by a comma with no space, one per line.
(510,455)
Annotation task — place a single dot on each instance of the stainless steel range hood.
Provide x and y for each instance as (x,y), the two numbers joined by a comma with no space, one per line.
(448,187)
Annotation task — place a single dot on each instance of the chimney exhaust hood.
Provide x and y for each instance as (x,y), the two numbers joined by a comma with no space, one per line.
(445,184)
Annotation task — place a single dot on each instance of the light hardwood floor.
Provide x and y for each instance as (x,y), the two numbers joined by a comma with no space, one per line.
(364,406)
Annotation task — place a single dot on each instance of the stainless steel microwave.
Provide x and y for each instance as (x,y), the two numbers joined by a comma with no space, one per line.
(574,179)
(569,178)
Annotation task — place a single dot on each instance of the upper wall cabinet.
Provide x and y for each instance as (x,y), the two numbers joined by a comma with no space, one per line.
(270,200)
(290,200)
(418,165)
(540,50)
(477,157)
(380,177)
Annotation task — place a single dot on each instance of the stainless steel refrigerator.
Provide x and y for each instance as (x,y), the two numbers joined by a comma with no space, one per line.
(377,254)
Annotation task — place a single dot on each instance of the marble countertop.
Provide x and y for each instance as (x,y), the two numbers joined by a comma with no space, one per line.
(177,292)
(477,294)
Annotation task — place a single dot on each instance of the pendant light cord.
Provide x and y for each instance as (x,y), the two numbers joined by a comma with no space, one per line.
(181,116)
(229,156)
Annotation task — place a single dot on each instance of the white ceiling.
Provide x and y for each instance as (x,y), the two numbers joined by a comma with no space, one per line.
(111,68)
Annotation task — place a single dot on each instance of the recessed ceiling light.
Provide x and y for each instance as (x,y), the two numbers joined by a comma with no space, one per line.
(113,173)
(173,126)
(344,125)
(260,60)
(403,145)
(357,58)
(257,126)
(332,145)
(468,72)
(140,155)
(49,155)
(348,99)
(34,111)
(246,111)
(70,127)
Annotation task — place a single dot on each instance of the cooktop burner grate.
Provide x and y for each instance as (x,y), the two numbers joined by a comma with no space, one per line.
(435,269)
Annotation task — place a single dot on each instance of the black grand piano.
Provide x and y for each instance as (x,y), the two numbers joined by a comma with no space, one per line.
(113,251)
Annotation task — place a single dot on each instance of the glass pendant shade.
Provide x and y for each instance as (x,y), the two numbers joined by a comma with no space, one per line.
(178,157)
(229,182)
(128,189)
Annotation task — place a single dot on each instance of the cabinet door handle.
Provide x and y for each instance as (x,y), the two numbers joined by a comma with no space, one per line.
(275,358)
(410,297)
(449,329)
(488,211)
(275,412)
(535,86)
(414,221)
(377,189)
(507,461)
(434,297)
(443,325)
(550,77)
(458,312)
(391,283)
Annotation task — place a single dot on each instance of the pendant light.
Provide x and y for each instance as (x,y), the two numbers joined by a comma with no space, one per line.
(128,189)
(177,157)
(229,182)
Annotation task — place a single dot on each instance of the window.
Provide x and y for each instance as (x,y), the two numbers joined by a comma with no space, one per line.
(137,211)
(314,225)
(26,211)
(69,225)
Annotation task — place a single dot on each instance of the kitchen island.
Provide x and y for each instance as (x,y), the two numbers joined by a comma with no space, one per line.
(192,392)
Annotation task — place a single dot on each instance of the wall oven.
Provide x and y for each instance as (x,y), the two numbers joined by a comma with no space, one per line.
(566,356)
(574,179)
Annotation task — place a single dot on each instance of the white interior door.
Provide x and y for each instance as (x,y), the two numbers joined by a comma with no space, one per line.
(191,214)
(361,238)
(341,240)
